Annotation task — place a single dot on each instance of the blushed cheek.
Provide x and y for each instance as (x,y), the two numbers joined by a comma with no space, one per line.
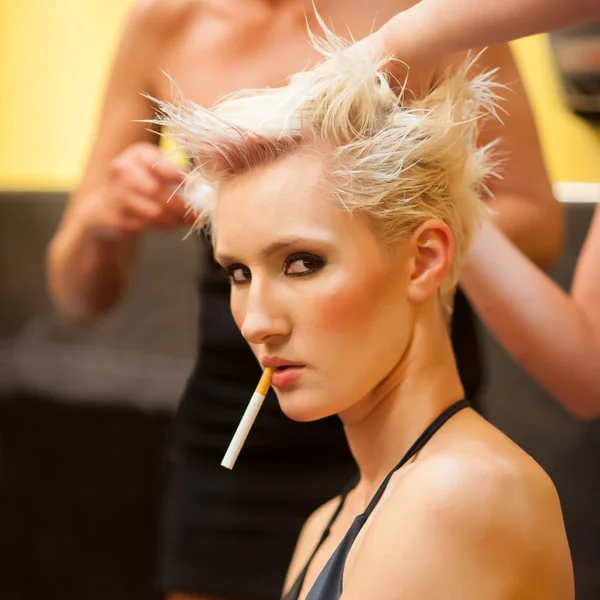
(354,310)
(341,310)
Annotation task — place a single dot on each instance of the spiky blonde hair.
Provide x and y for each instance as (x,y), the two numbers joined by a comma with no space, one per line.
(396,162)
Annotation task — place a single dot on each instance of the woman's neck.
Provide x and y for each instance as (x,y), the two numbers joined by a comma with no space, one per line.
(382,427)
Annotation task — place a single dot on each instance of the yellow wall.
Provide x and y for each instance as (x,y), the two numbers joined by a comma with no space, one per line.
(55,56)
(571,145)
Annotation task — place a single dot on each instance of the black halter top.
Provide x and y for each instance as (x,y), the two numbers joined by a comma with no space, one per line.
(328,585)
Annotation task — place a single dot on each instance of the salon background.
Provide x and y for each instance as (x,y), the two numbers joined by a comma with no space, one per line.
(84,414)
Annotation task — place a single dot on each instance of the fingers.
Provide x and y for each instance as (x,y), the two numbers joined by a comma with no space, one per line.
(141,192)
(141,180)
(154,212)
(159,165)
(143,163)
(168,172)
(411,73)
(175,205)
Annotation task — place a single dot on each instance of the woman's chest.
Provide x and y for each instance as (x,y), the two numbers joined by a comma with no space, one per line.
(217,57)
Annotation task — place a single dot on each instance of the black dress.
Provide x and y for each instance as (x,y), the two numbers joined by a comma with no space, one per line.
(232,533)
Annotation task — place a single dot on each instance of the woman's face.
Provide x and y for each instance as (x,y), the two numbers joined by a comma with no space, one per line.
(312,287)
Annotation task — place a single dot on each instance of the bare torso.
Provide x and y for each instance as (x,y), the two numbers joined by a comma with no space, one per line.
(218,49)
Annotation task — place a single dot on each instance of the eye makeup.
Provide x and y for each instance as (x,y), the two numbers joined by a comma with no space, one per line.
(299,264)
(237,273)
(303,264)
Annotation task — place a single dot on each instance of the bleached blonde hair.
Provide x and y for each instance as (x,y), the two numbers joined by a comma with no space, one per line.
(396,162)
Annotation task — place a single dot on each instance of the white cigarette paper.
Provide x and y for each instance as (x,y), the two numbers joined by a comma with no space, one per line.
(248,418)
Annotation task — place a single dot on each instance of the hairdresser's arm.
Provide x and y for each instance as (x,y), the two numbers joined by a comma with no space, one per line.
(526,210)
(433,28)
(553,336)
(122,192)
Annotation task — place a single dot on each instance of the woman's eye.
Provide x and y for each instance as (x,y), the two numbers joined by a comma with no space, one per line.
(238,274)
(305,264)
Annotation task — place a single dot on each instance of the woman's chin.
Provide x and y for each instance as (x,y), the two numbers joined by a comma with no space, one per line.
(298,406)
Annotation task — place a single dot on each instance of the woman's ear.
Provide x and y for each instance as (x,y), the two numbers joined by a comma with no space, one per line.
(432,249)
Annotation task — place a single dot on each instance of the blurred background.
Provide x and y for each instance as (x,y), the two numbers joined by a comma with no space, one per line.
(84,413)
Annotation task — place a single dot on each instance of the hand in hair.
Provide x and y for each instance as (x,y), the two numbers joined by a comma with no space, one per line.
(423,34)
(411,75)
(140,193)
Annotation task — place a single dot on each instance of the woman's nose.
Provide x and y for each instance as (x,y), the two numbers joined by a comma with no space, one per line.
(265,317)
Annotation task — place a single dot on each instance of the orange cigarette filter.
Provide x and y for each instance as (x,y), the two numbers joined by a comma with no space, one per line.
(248,418)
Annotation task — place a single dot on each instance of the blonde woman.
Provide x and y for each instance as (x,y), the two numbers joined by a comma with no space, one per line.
(217,522)
(341,217)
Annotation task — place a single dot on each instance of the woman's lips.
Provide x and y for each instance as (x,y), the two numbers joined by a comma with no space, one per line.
(284,377)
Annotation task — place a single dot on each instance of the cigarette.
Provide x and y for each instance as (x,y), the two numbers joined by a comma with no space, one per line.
(248,418)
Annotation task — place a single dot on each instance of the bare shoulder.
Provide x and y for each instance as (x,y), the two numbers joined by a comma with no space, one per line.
(158,17)
(308,539)
(154,10)
(166,14)
(487,520)
(151,30)
(499,483)
(158,21)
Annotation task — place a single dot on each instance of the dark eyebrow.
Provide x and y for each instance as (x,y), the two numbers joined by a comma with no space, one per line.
(269,250)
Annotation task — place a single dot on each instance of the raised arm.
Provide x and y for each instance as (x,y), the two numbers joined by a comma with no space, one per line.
(433,28)
(125,187)
(553,336)
(556,338)
(523,204)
